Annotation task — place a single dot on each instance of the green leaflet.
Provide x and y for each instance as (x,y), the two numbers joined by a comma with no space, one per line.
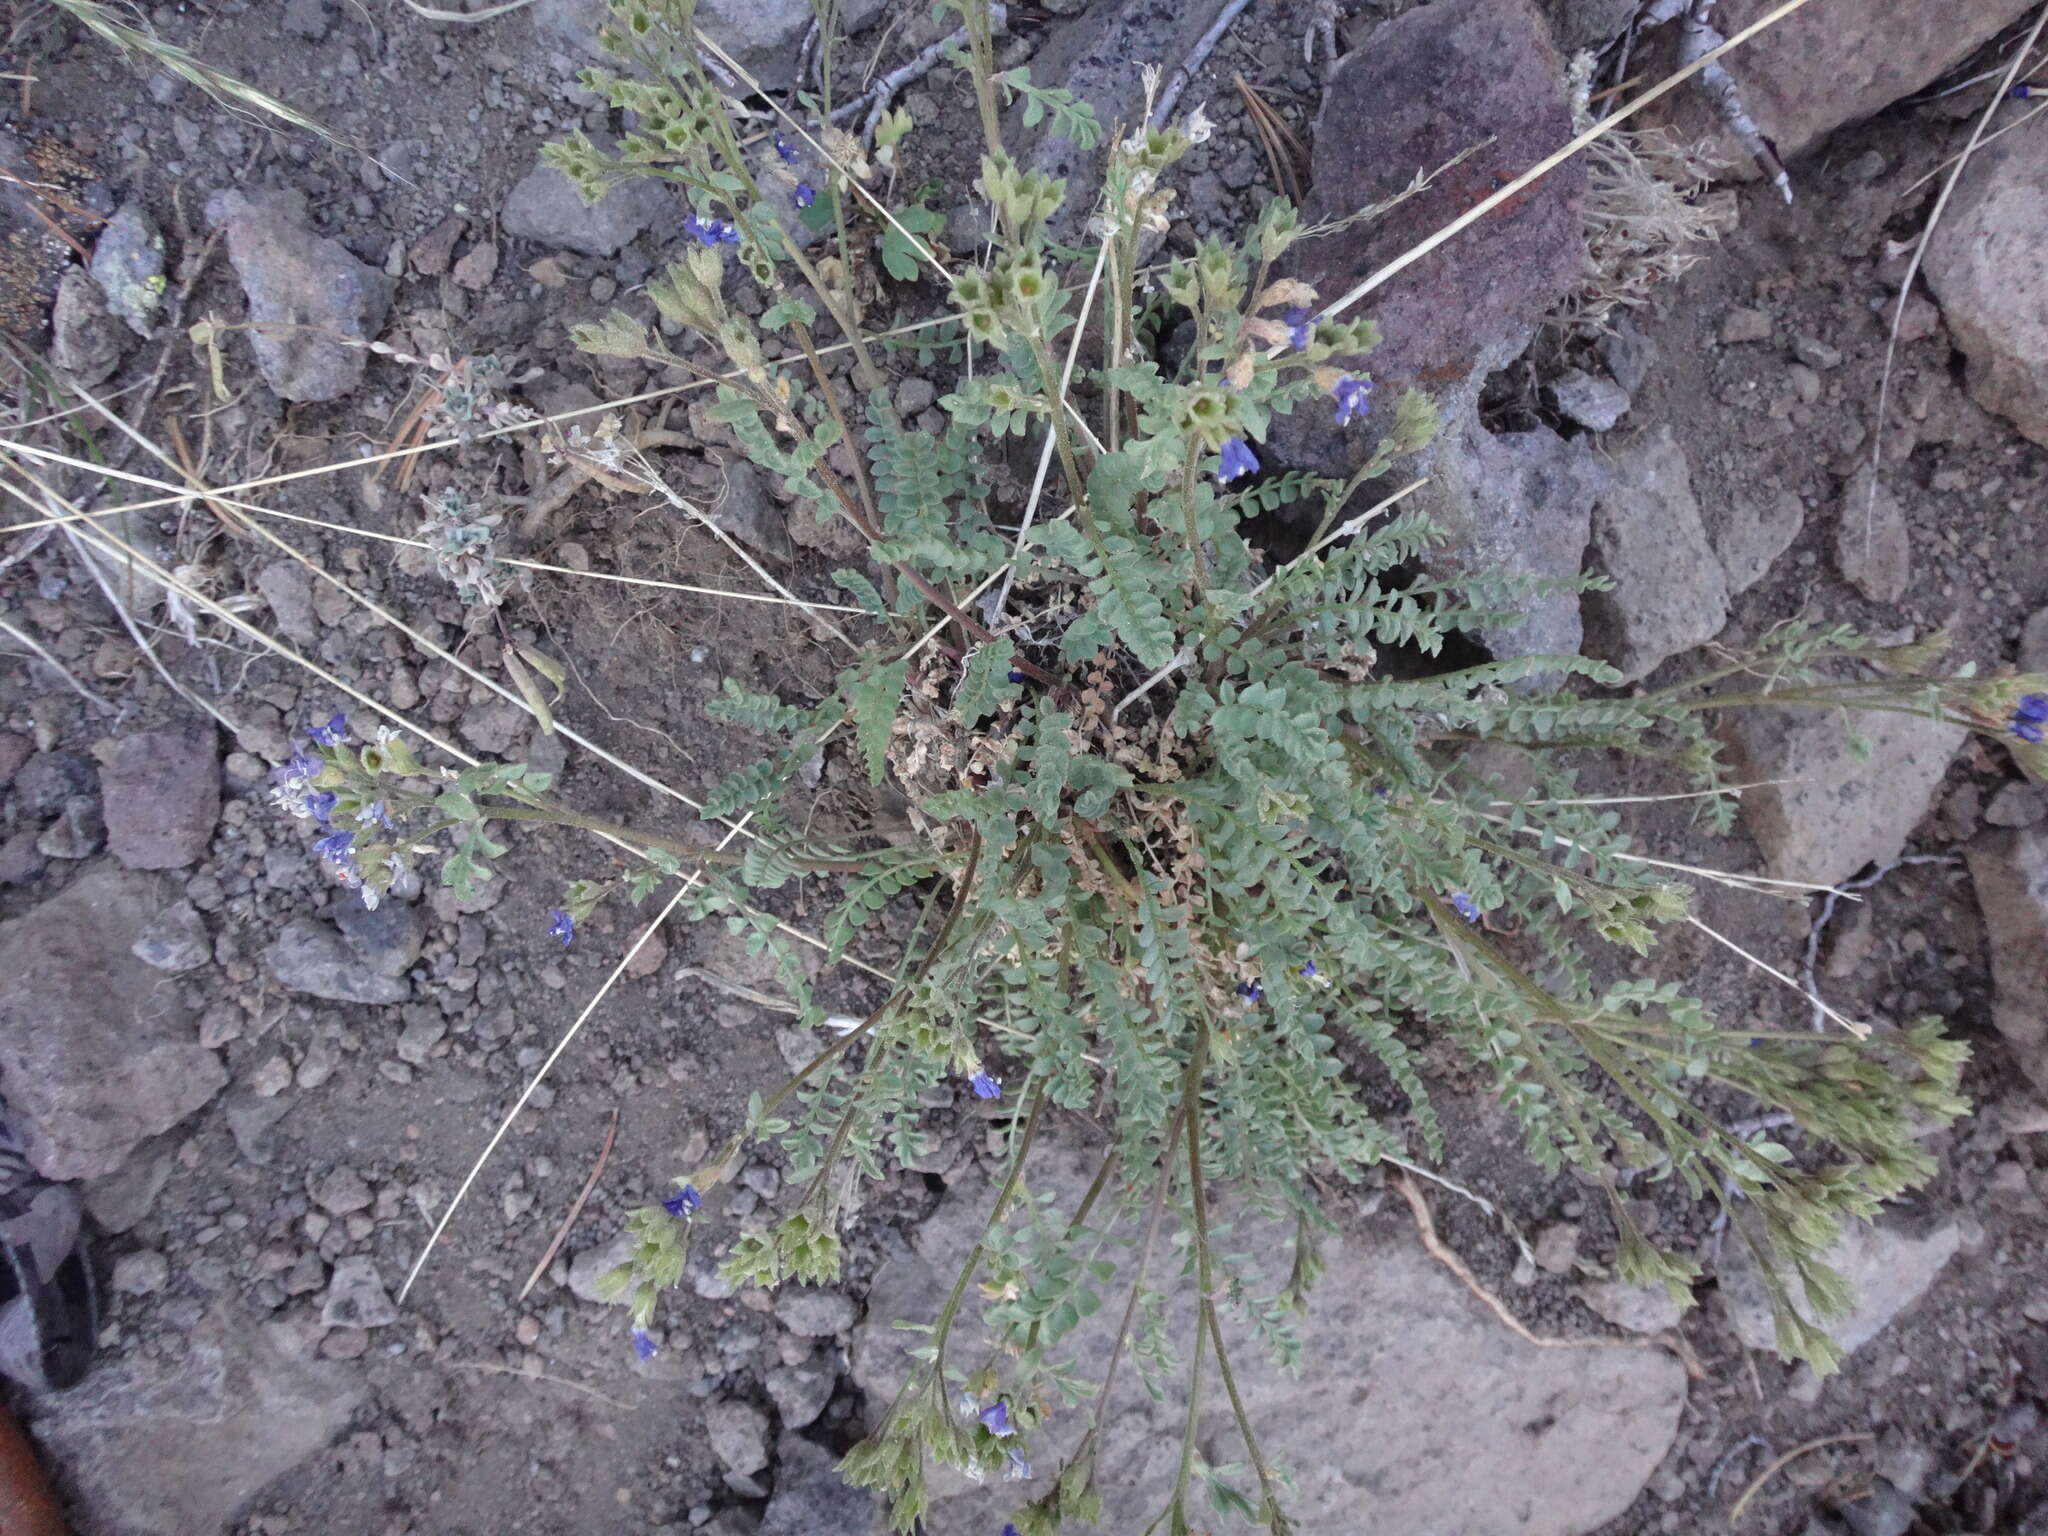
(871,705)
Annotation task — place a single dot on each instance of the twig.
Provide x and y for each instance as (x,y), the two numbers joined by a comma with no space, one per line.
(562,1232)
(1184,73)
(878,97)
(1695,38)
(1741,1504)
(1425,1228)
(1827,915)
(560,1381)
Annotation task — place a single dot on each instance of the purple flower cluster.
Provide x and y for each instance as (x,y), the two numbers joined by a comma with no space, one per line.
(292,787)
(1299,327)
(1466,907)
(2029,716)
(710,231)
(332,734)
(684,1203)
(784,148)
(1235,459)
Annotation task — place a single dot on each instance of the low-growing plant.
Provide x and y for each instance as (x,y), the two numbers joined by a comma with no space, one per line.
(1196,862)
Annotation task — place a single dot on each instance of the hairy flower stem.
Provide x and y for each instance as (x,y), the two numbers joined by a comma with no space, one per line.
(944,1324)
(556,816)
(1271,1513)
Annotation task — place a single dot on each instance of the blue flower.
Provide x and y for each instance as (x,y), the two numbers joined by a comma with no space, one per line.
(710,231)
(643,1346)
(1353,397)
(563,927)
(2032,708)
(995,1418)
(319,805)
(336,847)
(1017,1470)
(1016,676)
(1299,327)
(986,1087)
(333,733)
(804,196)
(2023,91)
(1250,991)
(784,148)
(1236,459)
(683,1203)
(373,814)
(1308,968)
(2026,730)
(1466,907)
(1009,1530)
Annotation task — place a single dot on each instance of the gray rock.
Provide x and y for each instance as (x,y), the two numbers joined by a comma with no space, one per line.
(737,1432)
(1988,265)
(763,35)
(286,587)
(547,209)
(815,1314)
(1872,549)
(87,341)
(304,290)
(1887,1269)
(119,1200)
(79,831)
(251,1117)
(174,1443)
(1830,811)
(800,1392)
(2034,643)
(1633,1308)
(1429,84)
(1546,1442)
(388,937)
(356,1297)
(2010,871)
(811,1498)
(342,1192)
(1096,57)
(1808,75)
(96,1052)
(162,794)
(590,1267)
(1521,503)
(1750,530)
(745,510)
(46,780)
(175,939)
(1669,593)
(2016,805)
(312,957)
(1593,402)
(15,750)
(128,264)
(141,1274)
